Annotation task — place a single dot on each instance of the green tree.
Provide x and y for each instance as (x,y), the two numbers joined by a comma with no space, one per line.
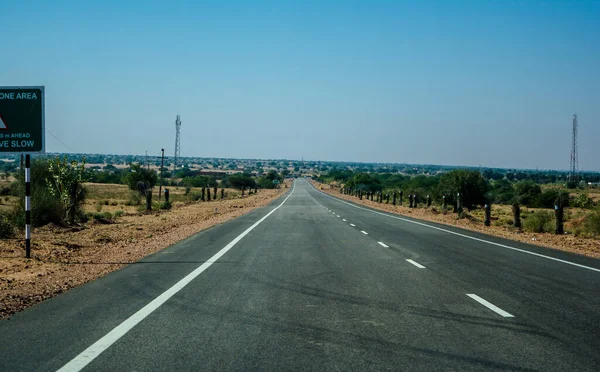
(583,201)
(142,180)
(528,193)
(241,181)
(66,181)
(470,184)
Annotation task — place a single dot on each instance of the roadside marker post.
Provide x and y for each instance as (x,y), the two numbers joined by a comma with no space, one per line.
(28,206)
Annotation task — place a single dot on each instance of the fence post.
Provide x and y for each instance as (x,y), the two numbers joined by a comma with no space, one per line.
(27,205)
(166,195)
(380,197)
(208,194)
(222,194)
(516,215)
(458,203)
(410,201)
(444,203)
(215,192)
(203,192)
(428,201)
(394,198)
(488,214)
(371,195)
(559,214)
(400,202)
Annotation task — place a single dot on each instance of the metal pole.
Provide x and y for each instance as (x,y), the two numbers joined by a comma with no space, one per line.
(28,206)
(162,163)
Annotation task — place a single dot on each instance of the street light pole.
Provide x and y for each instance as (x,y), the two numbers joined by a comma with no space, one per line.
(162,163)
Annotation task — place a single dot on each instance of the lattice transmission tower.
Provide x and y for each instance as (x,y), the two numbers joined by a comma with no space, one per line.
(177,143)
(573,168)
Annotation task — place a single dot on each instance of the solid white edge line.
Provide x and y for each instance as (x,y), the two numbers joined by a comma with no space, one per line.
(353,225)
(465,236)
(89,354)
(364,232)
(490,306)
(383,245)
(416,264)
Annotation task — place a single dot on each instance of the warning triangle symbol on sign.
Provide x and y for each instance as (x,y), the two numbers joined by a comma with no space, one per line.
(2,124)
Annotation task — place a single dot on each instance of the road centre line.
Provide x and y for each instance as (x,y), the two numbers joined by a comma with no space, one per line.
(353,225)
(93,351)
(343,219)
(490,306)
(383,244)
(364,232)
(416,264)
(465,236)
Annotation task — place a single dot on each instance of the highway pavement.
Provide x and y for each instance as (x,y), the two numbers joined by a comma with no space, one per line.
(315,283)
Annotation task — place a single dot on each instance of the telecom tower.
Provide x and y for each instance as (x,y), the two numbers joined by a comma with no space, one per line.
(177,143)
(573,169)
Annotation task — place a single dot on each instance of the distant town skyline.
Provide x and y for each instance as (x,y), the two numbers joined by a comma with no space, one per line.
(464,83)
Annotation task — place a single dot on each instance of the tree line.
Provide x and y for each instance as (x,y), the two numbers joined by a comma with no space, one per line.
(474,188)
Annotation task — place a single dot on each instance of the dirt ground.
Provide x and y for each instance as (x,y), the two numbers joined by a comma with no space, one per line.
(570,243)
(63,258)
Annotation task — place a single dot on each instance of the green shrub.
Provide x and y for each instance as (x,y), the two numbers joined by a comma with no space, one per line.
(538,222)
(105,217)
(134,199)
(583,201)
(118,214)
(99,207)
(591,224)
(45,207)
(166,205)
(6,229)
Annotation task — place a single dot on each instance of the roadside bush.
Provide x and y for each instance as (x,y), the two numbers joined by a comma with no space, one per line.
(583,201)
(548,198)
(528,193)
(46,207)
(470,184)
(166,205)
(105,217)
(118,214)
(591,224)
(133,199)
(6,229)
(538,222)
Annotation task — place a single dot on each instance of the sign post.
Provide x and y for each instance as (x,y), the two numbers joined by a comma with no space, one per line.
(22,131)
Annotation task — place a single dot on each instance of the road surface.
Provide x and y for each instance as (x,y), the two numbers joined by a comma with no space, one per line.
(311,282)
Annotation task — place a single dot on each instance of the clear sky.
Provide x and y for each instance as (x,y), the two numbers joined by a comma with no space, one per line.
(491,83)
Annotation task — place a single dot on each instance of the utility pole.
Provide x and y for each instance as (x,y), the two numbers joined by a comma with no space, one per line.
(162,163)
(177,143)
(573,176)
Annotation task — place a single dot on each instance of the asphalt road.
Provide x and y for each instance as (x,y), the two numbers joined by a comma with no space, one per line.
(311,282)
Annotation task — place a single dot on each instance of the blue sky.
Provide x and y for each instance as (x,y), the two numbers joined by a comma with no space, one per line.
(491,83)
